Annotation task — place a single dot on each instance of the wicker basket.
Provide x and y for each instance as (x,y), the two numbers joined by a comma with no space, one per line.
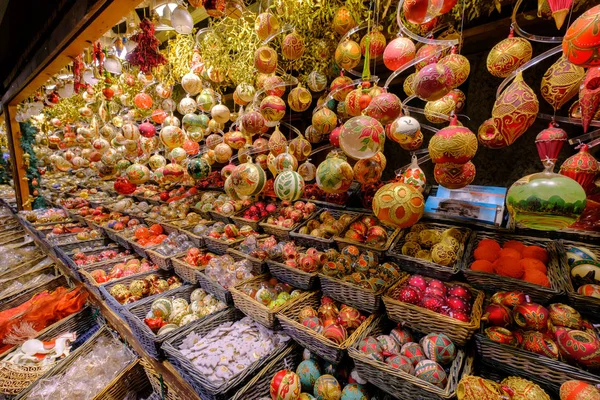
(239,220)
(163,262)
(48,269)
(541,370)
(220,246)
(215,289)
(135,314)
(353,295)
(280,232)
(257,311)
(190,374)
(398,383)
(293,276)
(20,269)
(493,283)
(427,321)
(378,251)
(429,268)
(131,380)
(26,295)
(258,266)
(198,240)
(313,341)
(139,249)
(106,266)
(187,272)
(162,390)
(319,243)
(217,216)
(71,247)
(71,263)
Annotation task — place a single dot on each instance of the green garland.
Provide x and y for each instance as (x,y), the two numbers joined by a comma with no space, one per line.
(28,133)
(4,177)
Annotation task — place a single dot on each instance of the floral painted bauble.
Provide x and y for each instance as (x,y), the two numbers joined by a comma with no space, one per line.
(265,25)
(157,161)
(343,21)
(237,100)
(385,108)
(186,105)
(453,144)
(361,137)
(289,185)
(223,153)
(439,348)
(403,130)
(138,174)
(173,173)
(285,162)
(356,101)
(206,100)
(168,105)
(292,46)
(198,168)
(324,120)
(377,43)
(274,86)
(308,371)
(347,54)
(545,201)
(340,87)
(398,205)
(578,390)
(549,142)
(561,82)
(178,154)
(421,11)
(299,99)
(334,175)
(354,391)
(143,101)
(433,82)
(101,145)
(307,171)
(235,139)
(459,65)
(277,142)
(272,108)
(265,60)
(245,91)
(327,388)
(285,385)
(213,140)
(300,148)
(172,136)
(191,83)
(398,52)
(431,372)
(220,113)
(163,90)
(508,55)
(454,176)
(582,167)
(414,176)
(580,43)
(248,179)
(367,171)
(253,122)
(316,81)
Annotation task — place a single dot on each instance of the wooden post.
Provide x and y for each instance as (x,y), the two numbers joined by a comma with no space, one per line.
(19,169)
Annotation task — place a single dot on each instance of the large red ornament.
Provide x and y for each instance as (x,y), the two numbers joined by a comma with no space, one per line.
(123,186)
(453,144)
(421,11)
(497,315)
(454,176)
(549,142)
(580,347)
(531,316)
(582,167)
(385,108)
(147,129)
(582,41)
(589,96)
(433,82)
(398,52)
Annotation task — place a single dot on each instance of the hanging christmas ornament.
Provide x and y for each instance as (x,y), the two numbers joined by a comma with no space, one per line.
(307,171)
(289,186)
(177,155)
(191,147)
(377,43)
(235,139)
(454,144)
(508,55)
(407,86)
(340,87)
(147,130)
(272,108)
(274,86)
(444,106)
(265,25)
(198,168)
(253,122)
(561,82)
(421,11)
(403,130)
(292,46)
(194,123)
(223,153)
(398,205)
(300,148)
(316,81)
(398,52)
(459,65)
(237,100)
(347,54)
(589,96)
(277,142)
(580,43)
(430,54)
(545,201)
(261,145)
(172,136)
(454,176)
(385,108)
(101,145)
(143,101)
(343,21)
(206,100)
(227,170)
(220,113)
(367,171)
(433,82)
(549,142)
(186,105)
(248,179)
(265,60)
(191,83)
(459,99)
(159,116)
(173,173)
(245,91)
(361,137)
(357,100)
(138,174)
(168,105)
(414,175)
(334,175)
(324,120)
(163,90)
(582,167)
(157,161)
(284,162)
(299,99)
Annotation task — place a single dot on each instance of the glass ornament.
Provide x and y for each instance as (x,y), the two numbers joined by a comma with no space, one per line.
(182,21)
(361,137)
(334,175)
(288,185)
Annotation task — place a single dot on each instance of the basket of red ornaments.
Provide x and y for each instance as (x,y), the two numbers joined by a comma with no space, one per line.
(193,261)
(298,266)
(220,236)
(367,233)
(254,214)
(288,217)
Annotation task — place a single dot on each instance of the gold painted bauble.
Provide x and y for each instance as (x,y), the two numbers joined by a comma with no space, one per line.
(171,120)
(260,145)
(580,43)
(274,86)
(460,67)
(443,106)
(347,54)
(261,160)
(248,179)
(299,99)
(285,162)
(177,155)
(356,101)
(453,144)
(432,53)
(334,175)
(459,99)
(454,176)
(253,122)
(472,387)
(138,174)
(206,100)
(220,113)
(245,91)
(244,154)
(223,153)
(307,171)
(362,137)
(340,87)
(343,21)
(377,43)
(524,389)
(324,120)
(173,173)
(157,161)
(272,108)
(265,25)
(235,139)
(403,130)
(209,156)
(312,135)
(385,108)
(259,81)
(368,171)
(277,142)
(172,136)
(292,46)
(398,205)
(300,148)
(508,55)
(265,60)
(316,81)
(215,126)
(164,91)
(191,83)
(561,82)
(408,84)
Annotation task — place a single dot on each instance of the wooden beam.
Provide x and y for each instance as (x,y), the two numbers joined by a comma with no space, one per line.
(13,134)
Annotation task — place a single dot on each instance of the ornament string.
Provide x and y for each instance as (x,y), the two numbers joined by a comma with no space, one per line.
(284,29)
(420,161)
(356,82)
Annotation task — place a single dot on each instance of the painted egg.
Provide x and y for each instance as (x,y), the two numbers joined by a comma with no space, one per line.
(178,154)
(377,43)
(223,153)
(272,108)
(436,110)
(248,179)
(161,308)
(578,390)
(206,100)
(388,344)
(349,317)
(245,91)
(316,81)
(401,335)
(340,87)
(431,372)
(285,385)
(289,185)
(589,290)
(404,130)
(336,333)
(371,347)
(368,171)
(277,142)
(348,54)
(385,108)
(398,52)
(191,83)
(402,363)
(413,352)
(198,168)
(421,11)
(361,137)
(299,99)
(334,175)
(454,176)
(343,21)
(354,391)
(265,25)
(186,105)
(429,54)
(580,346)
(164,91)
(327,388)
(439,348)
(433,82)
(407,86)
(398,205)
(292,46)
(265,60)
(308,371)
(508,55)
(313,323)
(138,174)
(580,43)
(324,121)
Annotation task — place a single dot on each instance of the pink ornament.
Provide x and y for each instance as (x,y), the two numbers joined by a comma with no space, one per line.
(549,142)
(398,52)
(433,82)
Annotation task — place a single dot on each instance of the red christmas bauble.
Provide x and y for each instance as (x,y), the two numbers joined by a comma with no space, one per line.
(580,43)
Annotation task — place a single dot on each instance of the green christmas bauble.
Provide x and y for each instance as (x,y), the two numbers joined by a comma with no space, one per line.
(334,175)
(289,185)
(194,122)
(198,168)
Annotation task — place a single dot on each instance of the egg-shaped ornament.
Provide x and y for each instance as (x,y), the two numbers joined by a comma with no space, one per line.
(404,130)
(460,66)
(414,175)
(347,54)
(327,388)
(453,144)
(285,385)
(223,153)
(312,135)
(431,372)
(300,148)
(274,86)
(316,81)
(272,108)
(433,82)
(195,123)
(324,121)
(292,46)
(368,171)
(508,55)
(439,111)
(582,167)
(340,87)
(235,139)
(159,115)
(186,105)
(245,91)
(266,24)
(277,142)
(191,83)
(138,174)
(248,179)
(549,142)
(146,129)
(578,390)
(130,131)
(173,173)
(172,136)
(220,113)
(307,171)
(398,205)
(454,176)
(198,168)
(334,175)
(252,122)
(343,20)
(362,137)
(265,60)
(156,161)
(398,52)
(581,41)
(299,99)
(385,108)
(377,43)
(205,101)
(561,82)
(421,11)
(289,185)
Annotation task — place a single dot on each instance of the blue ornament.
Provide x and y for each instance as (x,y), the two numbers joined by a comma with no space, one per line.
(308,371)
(354,391)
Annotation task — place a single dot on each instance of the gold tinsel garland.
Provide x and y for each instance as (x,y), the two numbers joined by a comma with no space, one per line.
(179,55)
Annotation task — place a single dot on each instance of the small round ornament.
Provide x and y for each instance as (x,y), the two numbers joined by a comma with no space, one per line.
(368,171)
(223,153)
(265,60)
(164,91)
(407,86)
(172,173)
(439,111)
(421,11)
(299,99)
(292,46)
(285,162)
(377,43)
(347,54)
(361,137)
(433,82)
(220,113)
(198,168)
(508,55)
(265,25)
(454,176)
(403,130)
(340,87)
(324,120)
(177,154)
(205,100)
(343,21)
(138,174)
(316,81)
(459,65)
(272,108)
(453,144)
(308,371)
(274,86)
(385,108)
(398,52)
(398,205)
(186,105)
(429,54)
(414,175)
(234,139)
(439,348)
(334,175)
(157,161)
(191,83)
(581,167)
(300,148)
(143,101)
(172,136)
(307,171)
(245,91)
(580,43)
(253,122)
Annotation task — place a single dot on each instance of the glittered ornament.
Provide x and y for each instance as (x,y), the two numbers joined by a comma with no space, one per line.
(433,82)
(459,99)
(299,99)
(265,25)
(347,54)
(343,21)
(435,111)
(582,167)
(316,81)
(398,205)
(377,43)
(508,55)
(340,87)
(361,137)
(285,385)
(198,168)
(398,52)
(428,54)
(289,185)
(292,46)
(385,108)
(453,144)
(407,86)
(561,82)
(324,120)
(334,175)
(454,176)
(580,43)
(265,60)
(578,390)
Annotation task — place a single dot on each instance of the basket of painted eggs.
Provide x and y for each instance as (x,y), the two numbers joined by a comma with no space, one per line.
(356,278)
(205,204)
(134,288)
(196,231)
(154,320)
(409,365)
(262,297)
(257,251)
(367,233)
(224,208)
(193,260)
(221,274)
(220,236)
(299,266)
(472,387)
(96,275)
(496,262)
(582,274)
(323,326)
(431,249)
(548,345)
(253,214)
(319,230)
(430,305)
(288,217)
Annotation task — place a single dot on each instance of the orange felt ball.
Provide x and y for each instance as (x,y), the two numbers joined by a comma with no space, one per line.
(486,253)
(536,252)
(483,266)
(509,266)
(509,252)
(513,244)
(536,277)
(489,243)
(533,264)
